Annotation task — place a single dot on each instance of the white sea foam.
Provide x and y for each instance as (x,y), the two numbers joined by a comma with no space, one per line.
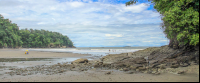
(92,51)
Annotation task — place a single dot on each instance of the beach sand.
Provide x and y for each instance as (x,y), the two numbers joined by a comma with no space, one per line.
(99,76)
(86,76)
(18,53)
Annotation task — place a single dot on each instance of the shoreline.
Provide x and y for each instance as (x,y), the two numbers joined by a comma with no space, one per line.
(89,75)
(18,53)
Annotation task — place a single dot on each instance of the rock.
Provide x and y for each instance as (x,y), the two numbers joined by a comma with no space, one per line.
(145,72)
(180,72)
(157,73)
(130,54)
(137,70)
(154,65)
(140,62)
(80,61)
(121,69)
(153,72)
(125,69)
(184,65)
(93,69)
(11,69)
(60,71)
(107,73)
(174,66)
(24,74)
(141,68)
(162,66)
(133,67)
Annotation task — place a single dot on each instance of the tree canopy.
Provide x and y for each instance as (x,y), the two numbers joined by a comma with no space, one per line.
(12,37)
(180,21)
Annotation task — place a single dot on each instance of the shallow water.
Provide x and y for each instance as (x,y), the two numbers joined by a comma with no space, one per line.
(29,62)
(94,51)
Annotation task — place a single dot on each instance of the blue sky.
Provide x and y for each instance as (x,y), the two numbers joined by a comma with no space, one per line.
(90,23)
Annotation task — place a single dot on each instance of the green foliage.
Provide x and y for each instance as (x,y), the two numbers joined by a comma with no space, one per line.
(41,38)
(180,20)
(11,36)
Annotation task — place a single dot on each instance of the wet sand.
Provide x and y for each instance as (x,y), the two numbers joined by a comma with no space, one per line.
(18,53)
(86,76)
(99,76)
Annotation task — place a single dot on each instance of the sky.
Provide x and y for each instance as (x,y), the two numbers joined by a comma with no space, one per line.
(90,23)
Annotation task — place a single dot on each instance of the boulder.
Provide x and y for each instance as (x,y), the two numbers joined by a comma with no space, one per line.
(78,61)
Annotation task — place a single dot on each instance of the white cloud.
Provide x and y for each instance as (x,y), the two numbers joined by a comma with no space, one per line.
(114,35)
(146,41)
(107,22)
(41,23)
(163,40)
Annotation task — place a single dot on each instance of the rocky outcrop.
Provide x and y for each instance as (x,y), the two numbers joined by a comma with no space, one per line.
(158,58)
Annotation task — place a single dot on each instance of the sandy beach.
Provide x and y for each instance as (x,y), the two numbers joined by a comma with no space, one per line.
(93,75)
(18,53)
(99,76)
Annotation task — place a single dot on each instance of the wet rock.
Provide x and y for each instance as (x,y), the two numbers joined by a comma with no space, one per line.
(80,61)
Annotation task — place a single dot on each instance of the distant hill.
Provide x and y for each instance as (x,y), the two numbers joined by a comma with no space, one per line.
(12,37)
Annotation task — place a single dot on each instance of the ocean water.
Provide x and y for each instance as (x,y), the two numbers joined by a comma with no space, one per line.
(94,51)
